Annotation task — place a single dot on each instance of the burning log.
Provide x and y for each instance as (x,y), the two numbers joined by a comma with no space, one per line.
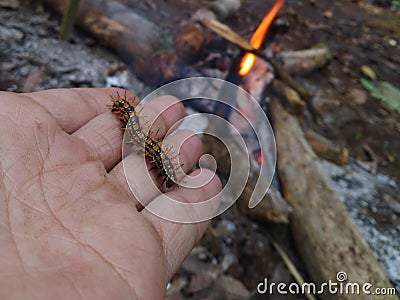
(325,235)
(249,59)
(254,75)
(189,44)
(114,24)
(257,39)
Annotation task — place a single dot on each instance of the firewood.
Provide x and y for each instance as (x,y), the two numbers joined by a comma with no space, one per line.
(115,25)
(289,95)
(326,149)
(305,61)
(219,9)
(225,8)
(189,42)
(306,95)
(227,33)
(324,233)
(273,208)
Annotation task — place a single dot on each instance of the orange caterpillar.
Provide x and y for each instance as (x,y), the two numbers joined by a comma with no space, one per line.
(152,148)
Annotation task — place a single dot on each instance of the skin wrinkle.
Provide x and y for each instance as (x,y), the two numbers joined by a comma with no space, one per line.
(17,121)
(160,241)
(74,285)
(4,193)
(43,158)
(66,140)
(52,212)
(109,263)
(80,196)
(36,123)
(121,186)
(50,145)
(102,153)
(86,245)
(31,207)
(14,242)
(132,184)
(29,98)
(120,270)
(7,192)
(8,118)
(78,93)
(39,148)
(48,237)
(93,250)
(111,234)
(49,165)
(168,253)
(68,191)
(87,99)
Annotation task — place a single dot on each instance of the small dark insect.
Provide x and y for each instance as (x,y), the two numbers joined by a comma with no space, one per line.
(127,113)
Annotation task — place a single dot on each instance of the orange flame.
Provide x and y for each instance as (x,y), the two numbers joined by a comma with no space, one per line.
(258,37)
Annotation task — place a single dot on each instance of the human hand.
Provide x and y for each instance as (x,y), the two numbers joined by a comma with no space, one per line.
(69,227)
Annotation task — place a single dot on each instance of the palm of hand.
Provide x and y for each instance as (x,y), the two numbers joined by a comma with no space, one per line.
(66,227)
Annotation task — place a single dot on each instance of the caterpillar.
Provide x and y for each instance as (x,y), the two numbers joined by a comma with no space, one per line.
(127,113)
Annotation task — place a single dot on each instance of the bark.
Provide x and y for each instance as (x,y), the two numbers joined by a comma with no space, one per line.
(325,235)
(305,61)
(327,149)
(115,25)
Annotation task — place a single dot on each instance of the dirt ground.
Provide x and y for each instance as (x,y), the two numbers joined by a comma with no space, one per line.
(237,253)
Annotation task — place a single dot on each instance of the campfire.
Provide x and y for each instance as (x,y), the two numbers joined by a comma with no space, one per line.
(258,37)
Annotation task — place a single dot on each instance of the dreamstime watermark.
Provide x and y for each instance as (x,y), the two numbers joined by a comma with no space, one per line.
(341,287)
(246,118)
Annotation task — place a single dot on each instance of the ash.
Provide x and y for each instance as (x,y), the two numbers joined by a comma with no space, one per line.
(29,46)
(373,202)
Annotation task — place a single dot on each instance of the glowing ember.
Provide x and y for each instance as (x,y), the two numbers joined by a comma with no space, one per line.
(247,63)
(258,37)
(260,158)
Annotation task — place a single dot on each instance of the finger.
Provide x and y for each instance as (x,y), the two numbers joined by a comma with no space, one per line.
(73,108)
(161,115)
(103,133)
(178,239)
(103,138)
(132,173)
